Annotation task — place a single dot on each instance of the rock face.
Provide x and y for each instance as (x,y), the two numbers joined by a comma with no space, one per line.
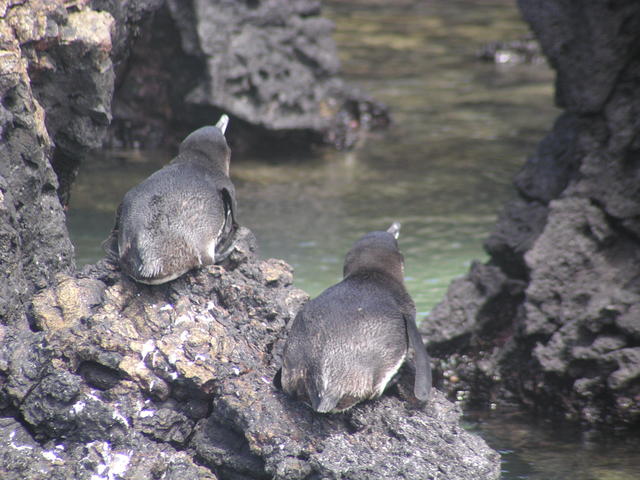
(124,380)
(271,64)
(553,319)
(34,242)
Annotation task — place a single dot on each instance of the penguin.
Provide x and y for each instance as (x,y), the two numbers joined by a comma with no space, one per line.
(182,216)
(345,345)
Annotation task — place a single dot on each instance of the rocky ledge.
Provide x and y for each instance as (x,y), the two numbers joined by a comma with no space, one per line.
(122,380)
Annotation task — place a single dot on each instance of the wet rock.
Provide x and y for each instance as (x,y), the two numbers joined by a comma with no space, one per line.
(139,381)
(588,48)
(166,425)
(518,226)
(15,286)
(546,173)
(628,321)
(280,43)
(571,239)
(138,459)
(23,359)
(76,95)
(486,288)
(628,362)
(128,17)
(21,456)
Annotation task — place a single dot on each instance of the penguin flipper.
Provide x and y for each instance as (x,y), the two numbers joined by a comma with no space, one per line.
(422,385)
(110,244)
(227,235)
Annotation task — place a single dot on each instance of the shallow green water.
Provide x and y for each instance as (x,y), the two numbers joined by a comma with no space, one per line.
(462,129)
(534,449)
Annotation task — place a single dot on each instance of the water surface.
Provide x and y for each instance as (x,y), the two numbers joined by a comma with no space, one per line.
(537,449)
(461,130)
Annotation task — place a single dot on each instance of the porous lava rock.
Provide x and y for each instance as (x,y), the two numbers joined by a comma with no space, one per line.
(124,380)
(270,64)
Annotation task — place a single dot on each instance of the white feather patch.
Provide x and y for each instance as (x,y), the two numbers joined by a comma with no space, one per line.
(383,383)
(211,250)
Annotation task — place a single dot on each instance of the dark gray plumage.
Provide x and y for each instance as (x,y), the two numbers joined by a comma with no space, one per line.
(182,216)
(345,345)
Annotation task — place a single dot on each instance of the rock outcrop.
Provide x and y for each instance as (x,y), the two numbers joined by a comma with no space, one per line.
(553,319)
(34,241)
(124,380)
(56,86)
(270,64)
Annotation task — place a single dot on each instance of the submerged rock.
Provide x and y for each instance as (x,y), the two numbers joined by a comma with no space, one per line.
(561,290)
(137,381)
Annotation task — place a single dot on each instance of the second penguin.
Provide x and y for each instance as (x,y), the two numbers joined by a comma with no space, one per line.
(345,345)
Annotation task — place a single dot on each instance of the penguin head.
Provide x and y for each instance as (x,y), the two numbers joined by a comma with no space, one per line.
(210,142)
(376,251)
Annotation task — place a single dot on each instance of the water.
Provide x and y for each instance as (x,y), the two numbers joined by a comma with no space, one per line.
(534,449)
(462,129)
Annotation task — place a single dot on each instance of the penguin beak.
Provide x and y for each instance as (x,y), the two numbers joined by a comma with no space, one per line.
(222,123)
(394,229)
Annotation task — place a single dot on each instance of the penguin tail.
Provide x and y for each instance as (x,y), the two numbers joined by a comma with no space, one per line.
(325,402)
(277,379)
(110,244)
(229,231)
(322,397)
